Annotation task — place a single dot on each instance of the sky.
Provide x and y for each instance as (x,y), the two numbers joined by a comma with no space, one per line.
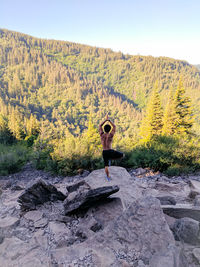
(169,28)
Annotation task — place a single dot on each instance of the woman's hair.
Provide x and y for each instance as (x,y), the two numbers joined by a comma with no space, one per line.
(107,128)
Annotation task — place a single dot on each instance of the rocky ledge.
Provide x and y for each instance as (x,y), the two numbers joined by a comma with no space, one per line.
(139,218)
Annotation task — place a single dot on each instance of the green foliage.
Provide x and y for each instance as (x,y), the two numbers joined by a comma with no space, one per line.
(12,158)
(54,94)
(152,123)
(184,118)
(170,155)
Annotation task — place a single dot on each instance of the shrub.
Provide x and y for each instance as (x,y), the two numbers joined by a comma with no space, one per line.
(171,155)
(12,158)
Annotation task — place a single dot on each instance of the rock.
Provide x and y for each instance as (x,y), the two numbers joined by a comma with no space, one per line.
(5,184)
(139,235)
(195,188)
(129,191)
(96,227)
(15,252)
(59,231)
(139,171)
(17,188)
(167,200)
(33,215)
(9,222)
(197,201)
(38,193)
(187,230)
(196,254)
(170,220)
(181,211)
(1,237)
(84,200)
(41,223)
(76,186)
(162,186)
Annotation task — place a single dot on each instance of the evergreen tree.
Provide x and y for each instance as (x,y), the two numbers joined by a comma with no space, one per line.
(184,115)
(170,116)
(93,139)
(152,123)
(6,136)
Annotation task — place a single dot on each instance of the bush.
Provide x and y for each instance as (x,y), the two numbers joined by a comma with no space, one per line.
(169,155)
(12,158)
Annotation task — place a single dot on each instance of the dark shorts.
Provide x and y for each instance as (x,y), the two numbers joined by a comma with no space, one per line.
(111,154)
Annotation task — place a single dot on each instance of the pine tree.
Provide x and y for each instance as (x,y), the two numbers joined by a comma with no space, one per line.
(170,116)
(184,118)
(152,123)
(93,138)
(5,134)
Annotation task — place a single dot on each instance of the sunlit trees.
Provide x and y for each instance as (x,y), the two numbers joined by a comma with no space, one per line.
(152,122)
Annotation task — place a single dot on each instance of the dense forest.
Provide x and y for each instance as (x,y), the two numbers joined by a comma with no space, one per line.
(53,95)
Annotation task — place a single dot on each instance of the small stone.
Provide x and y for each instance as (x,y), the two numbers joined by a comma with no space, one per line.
(33,215)
(96,227)
(41,223)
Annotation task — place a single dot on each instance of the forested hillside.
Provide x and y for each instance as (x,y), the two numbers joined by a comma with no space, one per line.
(62,90)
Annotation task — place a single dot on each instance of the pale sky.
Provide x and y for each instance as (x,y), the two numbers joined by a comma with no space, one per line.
(168,28)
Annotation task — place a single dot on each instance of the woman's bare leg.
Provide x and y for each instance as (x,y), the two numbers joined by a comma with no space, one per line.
(107,172)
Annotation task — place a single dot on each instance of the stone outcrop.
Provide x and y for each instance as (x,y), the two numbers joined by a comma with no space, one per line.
(84,200)
(140,235)
(38,193)
(42,226)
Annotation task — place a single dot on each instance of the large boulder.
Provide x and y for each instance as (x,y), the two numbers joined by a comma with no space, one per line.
(86,199)
(129,191)
(187,230)
(140,235)
(37,193)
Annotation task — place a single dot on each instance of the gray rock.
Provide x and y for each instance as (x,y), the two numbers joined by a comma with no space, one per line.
(129,191)
(167,200)
(74,187)
(86,199)
(197,201)
(17,187)
(139,235)
(139,171)
(182,210)
(58,231)
(41,223)
(9,222)
(33,215)
(195,188)
(187,230)
(196,254)
(1,238)
(163,186)
(38,193)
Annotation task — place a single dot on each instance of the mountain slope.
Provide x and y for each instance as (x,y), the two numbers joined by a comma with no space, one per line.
(64,83)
